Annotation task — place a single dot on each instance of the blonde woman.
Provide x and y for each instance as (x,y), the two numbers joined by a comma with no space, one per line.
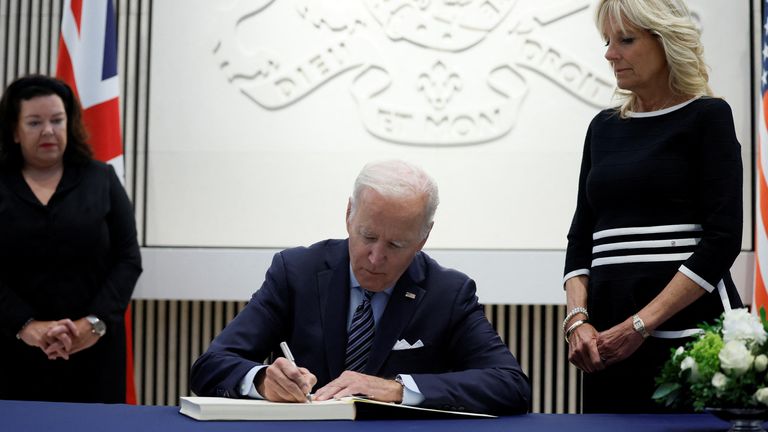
(658,219)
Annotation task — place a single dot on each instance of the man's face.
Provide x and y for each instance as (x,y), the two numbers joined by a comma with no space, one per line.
(384,236)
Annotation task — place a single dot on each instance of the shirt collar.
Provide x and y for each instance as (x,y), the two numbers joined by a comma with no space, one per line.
(353,283)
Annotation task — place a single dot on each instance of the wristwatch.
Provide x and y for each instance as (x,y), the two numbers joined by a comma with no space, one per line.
(639,326)
(97,326)
(399,380)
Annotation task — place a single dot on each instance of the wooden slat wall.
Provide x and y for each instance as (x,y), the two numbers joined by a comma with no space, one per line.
(29,31)
(170,335)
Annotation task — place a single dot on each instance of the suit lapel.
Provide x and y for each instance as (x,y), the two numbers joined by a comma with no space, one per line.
(333,292)
(402,305)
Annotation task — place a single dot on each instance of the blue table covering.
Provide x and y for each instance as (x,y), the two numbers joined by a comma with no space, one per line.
(76,417)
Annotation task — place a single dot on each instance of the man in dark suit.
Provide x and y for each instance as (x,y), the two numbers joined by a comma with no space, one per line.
(370,315)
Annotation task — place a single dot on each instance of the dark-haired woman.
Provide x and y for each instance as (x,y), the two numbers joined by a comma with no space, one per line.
(69,258)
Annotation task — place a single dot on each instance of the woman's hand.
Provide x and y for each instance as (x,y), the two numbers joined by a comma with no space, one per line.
(70,342)
(582,349)
(618,342)
(582,343)
(54,338)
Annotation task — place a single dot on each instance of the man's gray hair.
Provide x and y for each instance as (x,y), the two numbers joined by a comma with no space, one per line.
(398,179)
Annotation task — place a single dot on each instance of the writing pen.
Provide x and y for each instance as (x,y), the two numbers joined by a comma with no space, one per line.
(287,353)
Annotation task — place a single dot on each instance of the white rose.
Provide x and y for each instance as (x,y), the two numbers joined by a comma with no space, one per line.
(762,395)
(735,357)
(739,324)
(719,380)
(679,351)
(690,363)
(761,362)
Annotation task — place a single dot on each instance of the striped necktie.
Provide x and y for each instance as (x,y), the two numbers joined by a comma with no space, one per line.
(360,335)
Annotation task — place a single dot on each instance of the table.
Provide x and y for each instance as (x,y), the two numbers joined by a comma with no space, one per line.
(21,416)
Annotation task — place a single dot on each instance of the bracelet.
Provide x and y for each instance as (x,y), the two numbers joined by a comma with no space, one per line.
(574,312)
(18,335)
(572,328)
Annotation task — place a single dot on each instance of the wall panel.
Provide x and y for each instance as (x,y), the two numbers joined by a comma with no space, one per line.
(170,335)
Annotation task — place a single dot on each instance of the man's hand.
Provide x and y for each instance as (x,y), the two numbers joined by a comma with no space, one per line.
(283,382)
(352,383)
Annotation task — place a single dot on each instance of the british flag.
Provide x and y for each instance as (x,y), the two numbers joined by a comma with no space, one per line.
(88,63)
(760,297)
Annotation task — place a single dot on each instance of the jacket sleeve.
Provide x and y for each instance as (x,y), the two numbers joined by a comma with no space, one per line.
(486,378)
(578,257)
(124,269)
(14,312)
(718,168)
(247,340)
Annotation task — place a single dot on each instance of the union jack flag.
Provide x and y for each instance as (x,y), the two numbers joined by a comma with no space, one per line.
(760,296)
(88,63)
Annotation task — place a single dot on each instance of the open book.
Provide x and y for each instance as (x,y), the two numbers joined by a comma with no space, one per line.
(349,408)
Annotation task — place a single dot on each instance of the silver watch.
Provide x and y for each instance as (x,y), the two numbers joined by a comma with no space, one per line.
(97,326)
(639,326)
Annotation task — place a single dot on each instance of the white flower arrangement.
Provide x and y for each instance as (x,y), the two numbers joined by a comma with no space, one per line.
(724,367)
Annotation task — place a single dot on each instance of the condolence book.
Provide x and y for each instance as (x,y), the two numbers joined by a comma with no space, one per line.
(349,408)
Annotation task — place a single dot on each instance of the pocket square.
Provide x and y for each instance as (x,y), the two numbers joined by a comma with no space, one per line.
(403,344)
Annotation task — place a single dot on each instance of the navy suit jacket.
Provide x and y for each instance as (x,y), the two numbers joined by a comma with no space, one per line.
(304,300)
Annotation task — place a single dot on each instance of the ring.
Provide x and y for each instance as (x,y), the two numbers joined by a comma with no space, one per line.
(602,359)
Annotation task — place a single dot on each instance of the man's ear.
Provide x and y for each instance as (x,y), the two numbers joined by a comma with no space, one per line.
(426,237)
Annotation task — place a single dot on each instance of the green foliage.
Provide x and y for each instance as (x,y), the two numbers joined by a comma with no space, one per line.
(705,351)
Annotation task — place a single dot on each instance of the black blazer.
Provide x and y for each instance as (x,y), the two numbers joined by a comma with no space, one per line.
(75,256)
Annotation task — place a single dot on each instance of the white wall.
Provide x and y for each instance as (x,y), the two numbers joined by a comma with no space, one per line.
(263,116)
(503,277)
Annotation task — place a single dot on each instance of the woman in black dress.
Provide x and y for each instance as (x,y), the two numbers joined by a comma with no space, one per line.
(69,258)
(658,220)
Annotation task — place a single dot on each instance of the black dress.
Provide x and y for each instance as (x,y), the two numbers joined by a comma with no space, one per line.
(658,193)
(75,256)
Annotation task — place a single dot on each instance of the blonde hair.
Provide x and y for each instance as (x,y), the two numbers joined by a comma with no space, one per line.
(671,22)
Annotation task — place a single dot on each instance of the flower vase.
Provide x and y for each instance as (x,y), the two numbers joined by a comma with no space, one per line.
(742,419)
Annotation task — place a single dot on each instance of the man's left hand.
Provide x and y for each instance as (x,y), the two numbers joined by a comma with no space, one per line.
(356,384)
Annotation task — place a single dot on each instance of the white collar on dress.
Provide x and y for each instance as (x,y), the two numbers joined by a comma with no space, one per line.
(633,114)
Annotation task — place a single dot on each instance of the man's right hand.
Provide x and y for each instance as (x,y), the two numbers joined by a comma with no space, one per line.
(283,382)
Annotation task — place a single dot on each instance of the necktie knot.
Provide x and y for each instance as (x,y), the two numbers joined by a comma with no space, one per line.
(367,295)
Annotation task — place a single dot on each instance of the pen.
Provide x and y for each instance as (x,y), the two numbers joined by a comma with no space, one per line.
(287,353)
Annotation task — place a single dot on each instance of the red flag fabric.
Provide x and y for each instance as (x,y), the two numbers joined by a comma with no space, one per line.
(760,296)
(88,63)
